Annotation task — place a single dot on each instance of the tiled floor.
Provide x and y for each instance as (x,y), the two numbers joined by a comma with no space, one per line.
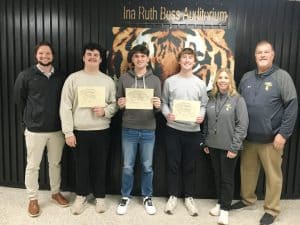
(13,211)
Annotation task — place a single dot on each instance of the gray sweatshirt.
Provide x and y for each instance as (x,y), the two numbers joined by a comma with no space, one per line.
(226,122)
(183,88)
(138,118)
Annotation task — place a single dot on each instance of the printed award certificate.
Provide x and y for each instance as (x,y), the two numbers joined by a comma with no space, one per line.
(91,96)
(186,110)
(139,98)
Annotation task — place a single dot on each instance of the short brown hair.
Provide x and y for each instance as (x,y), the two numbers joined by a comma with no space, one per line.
(188,51)
(92,46)
(137,49)
(262,42)
(43,43)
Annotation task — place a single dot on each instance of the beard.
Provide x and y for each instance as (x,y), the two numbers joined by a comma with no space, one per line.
(45,64)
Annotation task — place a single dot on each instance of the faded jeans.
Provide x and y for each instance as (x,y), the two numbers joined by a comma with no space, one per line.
(130,140)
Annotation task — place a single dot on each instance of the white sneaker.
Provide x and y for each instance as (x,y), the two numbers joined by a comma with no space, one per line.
(190,205)
(100,205)
(223,218)
(149,207)
(171,205)
(215,211)
(122,207)
(78,205)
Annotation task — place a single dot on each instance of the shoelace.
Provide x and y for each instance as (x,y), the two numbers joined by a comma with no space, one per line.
(148,201)
(123,202)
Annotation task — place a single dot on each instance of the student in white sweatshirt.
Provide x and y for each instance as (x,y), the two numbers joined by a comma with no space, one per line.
(86,129)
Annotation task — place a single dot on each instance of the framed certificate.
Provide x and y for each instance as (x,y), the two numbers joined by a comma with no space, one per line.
(91,96)
(139,98)
(186,110)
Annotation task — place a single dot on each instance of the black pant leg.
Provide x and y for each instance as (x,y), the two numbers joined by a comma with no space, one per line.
(82,163)
(216,164)
(173,150)
(227,180)
(98,159)
(191,150)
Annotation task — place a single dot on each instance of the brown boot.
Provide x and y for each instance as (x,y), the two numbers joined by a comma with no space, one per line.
(33,208)
(60,200)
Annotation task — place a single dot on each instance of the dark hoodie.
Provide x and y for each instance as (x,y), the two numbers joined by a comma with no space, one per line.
(137,118)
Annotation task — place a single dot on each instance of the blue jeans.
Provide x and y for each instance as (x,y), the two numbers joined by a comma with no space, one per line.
(130,140)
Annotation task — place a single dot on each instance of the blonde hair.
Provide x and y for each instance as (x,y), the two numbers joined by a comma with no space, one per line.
(232,87)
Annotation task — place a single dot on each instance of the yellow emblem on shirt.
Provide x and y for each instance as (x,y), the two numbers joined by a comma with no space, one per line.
(228,107)
(268,85)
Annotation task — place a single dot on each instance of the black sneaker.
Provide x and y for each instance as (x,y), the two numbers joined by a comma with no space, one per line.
(267,219)
(238,205)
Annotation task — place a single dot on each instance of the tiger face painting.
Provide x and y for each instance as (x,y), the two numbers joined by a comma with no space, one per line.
(164,45)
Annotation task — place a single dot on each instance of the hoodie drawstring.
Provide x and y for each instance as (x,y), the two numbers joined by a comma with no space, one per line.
(144,82)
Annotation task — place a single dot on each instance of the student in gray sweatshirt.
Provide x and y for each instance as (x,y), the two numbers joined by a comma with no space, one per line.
(183,137)
(226,125)
(138,128)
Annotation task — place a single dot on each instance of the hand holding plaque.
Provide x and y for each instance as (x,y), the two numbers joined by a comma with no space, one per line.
(186,110)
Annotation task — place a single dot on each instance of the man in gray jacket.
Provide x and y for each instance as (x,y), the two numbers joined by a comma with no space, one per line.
(271,100)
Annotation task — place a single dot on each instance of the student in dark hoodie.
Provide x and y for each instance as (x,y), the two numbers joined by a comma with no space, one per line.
(138,128)
(271,100)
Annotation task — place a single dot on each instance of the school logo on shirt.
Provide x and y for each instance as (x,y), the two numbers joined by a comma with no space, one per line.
(268,85)
(228,107)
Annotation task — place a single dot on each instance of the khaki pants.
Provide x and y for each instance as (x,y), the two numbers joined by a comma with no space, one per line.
(35,144)
(253,156)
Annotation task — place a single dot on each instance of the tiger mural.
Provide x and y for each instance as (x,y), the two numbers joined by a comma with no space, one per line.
(164,45)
